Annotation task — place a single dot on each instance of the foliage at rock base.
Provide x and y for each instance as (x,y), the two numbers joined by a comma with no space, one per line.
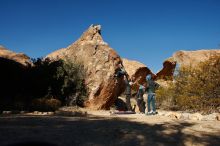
(45,85)
(194,88)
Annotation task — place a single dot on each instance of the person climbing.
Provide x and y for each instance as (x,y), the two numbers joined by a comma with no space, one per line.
(151,87)
(140,99)
(128,83)
(120,71)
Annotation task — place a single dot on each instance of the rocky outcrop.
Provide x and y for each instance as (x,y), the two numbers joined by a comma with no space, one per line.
(167,72)
(100,62)
(193,58)
(17,57)
(137,71)
(184,58)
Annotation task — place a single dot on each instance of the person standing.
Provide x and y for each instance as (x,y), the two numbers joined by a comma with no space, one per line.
(140,99)
(128,83)
(151,87)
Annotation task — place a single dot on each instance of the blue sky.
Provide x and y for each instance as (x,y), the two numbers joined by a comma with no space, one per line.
(145,30)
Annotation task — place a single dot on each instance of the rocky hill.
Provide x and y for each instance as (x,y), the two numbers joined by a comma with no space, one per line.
(12,75)
(17,57)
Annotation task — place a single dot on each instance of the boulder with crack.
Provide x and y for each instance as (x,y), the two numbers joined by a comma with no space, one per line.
(100,62)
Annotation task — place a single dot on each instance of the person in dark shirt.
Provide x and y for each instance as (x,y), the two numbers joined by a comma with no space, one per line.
(128,83)
(120,71)
(140,99)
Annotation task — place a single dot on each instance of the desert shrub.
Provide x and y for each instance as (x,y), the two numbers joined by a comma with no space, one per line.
(165,97)
(41,77)
(45,104)
(62,80)
(194,88)
(70,78)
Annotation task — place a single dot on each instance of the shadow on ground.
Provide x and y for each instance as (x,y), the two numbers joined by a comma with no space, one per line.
(87,131)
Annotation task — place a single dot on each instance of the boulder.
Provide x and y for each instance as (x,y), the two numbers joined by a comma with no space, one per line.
(210,117)
(175,115)
(167,72)
(185,116)
(196,116)
(100,62)
(137,71)
(193,58)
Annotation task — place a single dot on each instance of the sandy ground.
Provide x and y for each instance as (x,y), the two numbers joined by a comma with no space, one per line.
(99,128)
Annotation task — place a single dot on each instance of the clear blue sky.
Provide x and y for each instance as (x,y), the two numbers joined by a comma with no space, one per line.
(145,30)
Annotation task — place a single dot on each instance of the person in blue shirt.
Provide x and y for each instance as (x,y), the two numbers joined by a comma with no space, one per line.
(151,88)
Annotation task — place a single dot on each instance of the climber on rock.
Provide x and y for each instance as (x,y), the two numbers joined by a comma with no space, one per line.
(120,72)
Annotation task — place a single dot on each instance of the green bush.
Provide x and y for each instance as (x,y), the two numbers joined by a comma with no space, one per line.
(70,79)
(62,80)
(194,88)
(165,97)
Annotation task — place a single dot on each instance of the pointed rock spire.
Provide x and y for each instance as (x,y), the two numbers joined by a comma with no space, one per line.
(100,62)
(91,36)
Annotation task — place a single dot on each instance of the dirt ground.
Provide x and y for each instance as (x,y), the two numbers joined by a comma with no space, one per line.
(99,128)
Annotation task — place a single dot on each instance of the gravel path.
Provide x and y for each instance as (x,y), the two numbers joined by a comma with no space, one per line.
(99,128)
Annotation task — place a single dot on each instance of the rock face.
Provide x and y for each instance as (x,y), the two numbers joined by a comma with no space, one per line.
(166,73)
(100,62)
(193,58)
(17,57)
(137,71)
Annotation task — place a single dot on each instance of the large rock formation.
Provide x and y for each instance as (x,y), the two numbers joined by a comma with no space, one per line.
(17,57)
(137,71)
(193,58)
(167,72)
(100,62)
(184,58)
